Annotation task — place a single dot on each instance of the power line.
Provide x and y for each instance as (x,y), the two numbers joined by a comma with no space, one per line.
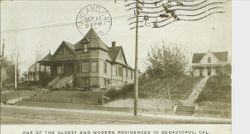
(53,25)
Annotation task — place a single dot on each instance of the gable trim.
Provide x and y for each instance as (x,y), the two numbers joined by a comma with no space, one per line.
(121,50)
(64,45)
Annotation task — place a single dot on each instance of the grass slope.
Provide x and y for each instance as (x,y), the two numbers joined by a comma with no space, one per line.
(92,97)
(155,89)
(217,89)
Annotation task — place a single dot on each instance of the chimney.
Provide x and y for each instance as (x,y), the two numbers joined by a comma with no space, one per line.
(113,43)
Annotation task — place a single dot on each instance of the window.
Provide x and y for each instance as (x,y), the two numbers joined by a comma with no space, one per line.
(120,71)
(64,50)
(59,69)
(105,82)
(85,81)
(131,74)
(94,67)
(126,73)
(209,59)
(85,67)
(105,68)
(85,48)
(114,70)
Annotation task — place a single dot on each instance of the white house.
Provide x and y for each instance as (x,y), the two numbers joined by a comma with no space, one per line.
(210,63)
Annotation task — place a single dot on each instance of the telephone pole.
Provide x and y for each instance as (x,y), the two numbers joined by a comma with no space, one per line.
(136,62)
(1,66)
(16,62)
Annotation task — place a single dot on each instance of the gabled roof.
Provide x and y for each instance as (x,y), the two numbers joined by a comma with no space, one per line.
(197,57)
(48,57)
(70,46)
(93,41)
(222,56)
(33,65)
(114,51)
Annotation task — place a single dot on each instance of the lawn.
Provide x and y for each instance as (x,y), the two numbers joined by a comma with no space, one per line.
(155,89)
(90,97)
(217,89)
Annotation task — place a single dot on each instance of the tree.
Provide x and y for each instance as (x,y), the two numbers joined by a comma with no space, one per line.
(168,64)
(8,71)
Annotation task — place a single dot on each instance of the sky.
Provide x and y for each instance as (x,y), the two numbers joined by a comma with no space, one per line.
(212,33)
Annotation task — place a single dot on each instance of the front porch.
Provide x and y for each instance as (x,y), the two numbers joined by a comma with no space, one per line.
(198,71)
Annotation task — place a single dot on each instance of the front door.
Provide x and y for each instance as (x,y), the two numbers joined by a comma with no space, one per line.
(200,71)
(69,68)
(209,71)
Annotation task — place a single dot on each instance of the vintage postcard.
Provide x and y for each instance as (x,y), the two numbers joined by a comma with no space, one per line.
(148,66)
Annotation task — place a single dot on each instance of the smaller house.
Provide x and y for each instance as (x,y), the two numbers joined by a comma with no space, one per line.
(210,63)
(37,72)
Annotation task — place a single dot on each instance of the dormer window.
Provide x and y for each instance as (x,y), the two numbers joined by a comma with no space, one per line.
(85,48)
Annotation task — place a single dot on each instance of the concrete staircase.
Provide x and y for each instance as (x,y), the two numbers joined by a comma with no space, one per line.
(196,92)
(185,110)
(61,81)
(54,81)
(188,107)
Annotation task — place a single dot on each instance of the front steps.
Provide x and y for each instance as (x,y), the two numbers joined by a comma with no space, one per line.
(61,81)
(185,110)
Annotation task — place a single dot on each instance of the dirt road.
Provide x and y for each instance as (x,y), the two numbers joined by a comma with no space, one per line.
(40,115)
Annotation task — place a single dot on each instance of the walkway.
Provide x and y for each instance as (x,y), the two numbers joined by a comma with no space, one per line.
(196,91)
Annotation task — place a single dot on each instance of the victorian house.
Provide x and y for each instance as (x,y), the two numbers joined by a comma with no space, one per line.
(87,63)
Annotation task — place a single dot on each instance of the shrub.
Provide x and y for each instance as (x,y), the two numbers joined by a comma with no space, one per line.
(125,92)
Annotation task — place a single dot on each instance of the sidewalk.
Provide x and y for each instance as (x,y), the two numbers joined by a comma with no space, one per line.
(142,115)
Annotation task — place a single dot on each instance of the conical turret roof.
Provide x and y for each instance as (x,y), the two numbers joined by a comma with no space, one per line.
(92,40)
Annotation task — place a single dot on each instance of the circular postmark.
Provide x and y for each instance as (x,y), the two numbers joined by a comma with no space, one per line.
(96,17)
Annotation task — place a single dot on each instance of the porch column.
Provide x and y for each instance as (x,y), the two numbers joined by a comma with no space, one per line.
(62,68)
(75,66)
(45,69)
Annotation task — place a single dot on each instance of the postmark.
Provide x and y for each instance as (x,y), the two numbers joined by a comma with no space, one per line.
(96,17)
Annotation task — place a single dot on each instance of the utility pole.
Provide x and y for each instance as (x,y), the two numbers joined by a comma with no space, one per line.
(1,66)
(136,62)
(16,61)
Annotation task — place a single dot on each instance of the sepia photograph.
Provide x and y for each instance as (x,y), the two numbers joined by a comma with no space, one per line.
(113,62)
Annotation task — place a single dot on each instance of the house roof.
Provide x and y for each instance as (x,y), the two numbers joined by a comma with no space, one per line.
(32,66)
(114,51)
(48,57)
(197,57)
(222,56)
(93,41)
(70,46)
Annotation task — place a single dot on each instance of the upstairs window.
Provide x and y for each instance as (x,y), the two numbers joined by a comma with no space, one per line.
(85,48)
(209,59)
